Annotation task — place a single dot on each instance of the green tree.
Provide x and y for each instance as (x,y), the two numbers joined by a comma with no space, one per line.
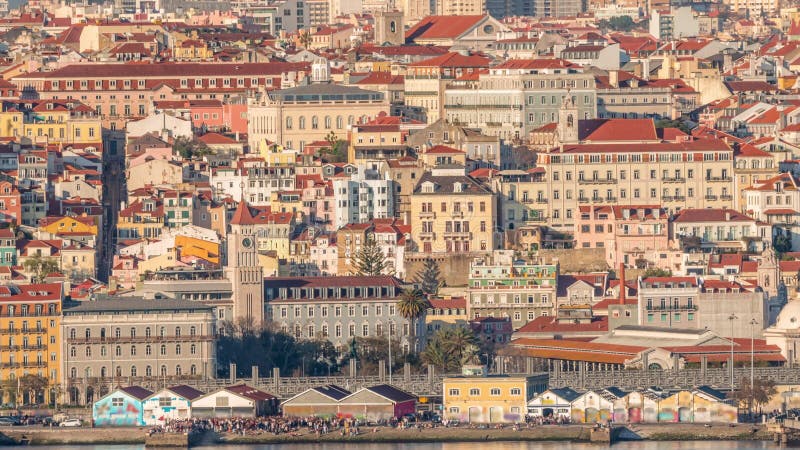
(305,38)
(336,151)
(411,306)
(370,260)
(782,243)
(429,277)
(39,267)
(32,386)
(656,272)
(190,148)
(450,348)
(763,390)
(668,123)
(619,23)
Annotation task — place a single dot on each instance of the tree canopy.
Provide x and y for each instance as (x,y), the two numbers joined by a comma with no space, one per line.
(429,277)
(370,260)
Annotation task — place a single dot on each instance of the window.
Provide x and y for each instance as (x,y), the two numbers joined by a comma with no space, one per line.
(474,391)
(454,392)
(494,391)
(516,391)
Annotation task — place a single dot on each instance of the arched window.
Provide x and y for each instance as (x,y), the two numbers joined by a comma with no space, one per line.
(350,120)
(147,332)
(178,331)
(102,351)
(117,332)
(133,350)
(73,352)
(118,351)
(192,330)
(288,123)
(148,371)
(178,370)
(119,371)
(88,333)
(339,122)
(163,371)
(103,372)
(178,349)
(133,332)
(163,349)
(193,349)
(72,333)
(193,370)
(162,332)
(147,350)
(301,122)
(73,372)
(314,122)
(133,371)
(328,122)
(88,352)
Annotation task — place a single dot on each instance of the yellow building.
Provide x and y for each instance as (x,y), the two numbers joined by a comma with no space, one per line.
(55,226)
(29,339)
(190,246)
(375,142)
(276,155)
(489,399)
(446,312)
(51,121)
(452,212)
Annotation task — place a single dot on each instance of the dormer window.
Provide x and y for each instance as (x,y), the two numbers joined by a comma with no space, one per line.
(458,187)
(428,187)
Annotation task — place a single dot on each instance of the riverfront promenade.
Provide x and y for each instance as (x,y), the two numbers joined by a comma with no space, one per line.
(573,433)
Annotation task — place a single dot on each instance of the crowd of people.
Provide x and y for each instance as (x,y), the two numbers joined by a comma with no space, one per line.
(317,425)
(249,425)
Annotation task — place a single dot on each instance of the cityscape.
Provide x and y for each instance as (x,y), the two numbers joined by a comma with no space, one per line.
(306,219)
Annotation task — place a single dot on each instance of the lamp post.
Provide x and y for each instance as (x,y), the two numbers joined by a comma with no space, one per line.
(732,317)
(753,323)
(390,354)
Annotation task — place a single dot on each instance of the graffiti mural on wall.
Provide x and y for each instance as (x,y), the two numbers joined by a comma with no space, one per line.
(117,411)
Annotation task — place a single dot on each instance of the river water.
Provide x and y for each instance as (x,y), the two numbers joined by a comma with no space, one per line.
(666,445)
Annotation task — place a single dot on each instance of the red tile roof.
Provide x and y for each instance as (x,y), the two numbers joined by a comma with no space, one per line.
(442,27)
(454,59)
(598,130)
(710,215)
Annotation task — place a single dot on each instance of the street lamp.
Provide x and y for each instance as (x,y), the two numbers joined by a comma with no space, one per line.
(732,317)
(753,323)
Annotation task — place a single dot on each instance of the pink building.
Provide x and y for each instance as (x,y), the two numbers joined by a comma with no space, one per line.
(635,235)
(318,202)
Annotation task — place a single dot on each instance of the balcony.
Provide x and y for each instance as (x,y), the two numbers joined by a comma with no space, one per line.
(597,181)
(611,199)
(140,339)
(673,180)
(34,364)
(427,215)
(671,308)
(711,198)
(719,179)
(457,235)
(541,200)
(427,235)
(583,199)
(726,197)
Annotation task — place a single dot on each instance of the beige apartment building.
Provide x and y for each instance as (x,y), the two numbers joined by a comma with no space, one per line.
(624,162)
(453,213)
(301,115)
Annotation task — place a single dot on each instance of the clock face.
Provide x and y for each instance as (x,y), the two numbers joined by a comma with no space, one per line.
(247,243)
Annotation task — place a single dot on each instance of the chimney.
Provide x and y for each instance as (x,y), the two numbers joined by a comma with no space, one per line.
(613,78)
(622,287)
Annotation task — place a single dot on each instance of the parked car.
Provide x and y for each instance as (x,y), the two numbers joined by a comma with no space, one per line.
(70,423)
(7,422)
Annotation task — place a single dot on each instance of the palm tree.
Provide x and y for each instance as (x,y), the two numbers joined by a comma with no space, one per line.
(412,305)
(437,353)
(462,343)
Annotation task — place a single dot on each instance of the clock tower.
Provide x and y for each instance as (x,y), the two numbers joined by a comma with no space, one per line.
(243,269)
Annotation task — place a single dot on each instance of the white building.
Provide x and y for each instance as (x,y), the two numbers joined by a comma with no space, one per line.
(363,197)
(172,403)
(777,202)
(162,124)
